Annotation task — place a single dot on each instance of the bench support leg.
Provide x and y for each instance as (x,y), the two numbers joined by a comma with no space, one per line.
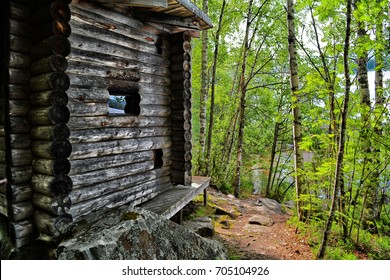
(205,197)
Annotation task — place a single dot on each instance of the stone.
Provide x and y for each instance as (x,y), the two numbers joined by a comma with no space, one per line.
(270,204)
(257,228)
(225,224)
(222,211)
(133,233)
(261,220)
(202,226)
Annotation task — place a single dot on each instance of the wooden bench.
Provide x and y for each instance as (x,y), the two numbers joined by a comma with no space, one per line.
(172,201)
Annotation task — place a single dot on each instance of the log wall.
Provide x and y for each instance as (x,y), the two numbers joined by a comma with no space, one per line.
(181,108)
(49,115)
(15,139)
(113,159)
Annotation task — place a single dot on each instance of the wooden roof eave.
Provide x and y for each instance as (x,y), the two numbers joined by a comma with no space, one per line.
(184,14)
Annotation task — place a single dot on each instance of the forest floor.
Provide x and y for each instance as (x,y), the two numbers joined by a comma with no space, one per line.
(252,228)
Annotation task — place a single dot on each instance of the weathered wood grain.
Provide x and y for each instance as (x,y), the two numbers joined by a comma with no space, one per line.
(53,226)
(119,121)
(50,81)
(51,166)
(19,174)
(50,149)
(54,45)
(52,63)
(49,98)
(19,125)
(19,60)
(51,132)
(55,114)
(88,150)
(57,10)
(20,211)
(52,185)
(58,205)
(116,185)
(19,76)
(19,193)
(96,163)
(17,92)
(56,28)
(22,232)
(20,157)
(19,44)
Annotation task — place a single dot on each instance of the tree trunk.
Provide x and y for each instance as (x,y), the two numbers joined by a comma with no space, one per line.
(297,127)
(340,154)
(370,184)
(213,79)
(243,89)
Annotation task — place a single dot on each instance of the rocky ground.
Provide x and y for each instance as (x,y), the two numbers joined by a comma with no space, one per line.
(252,228)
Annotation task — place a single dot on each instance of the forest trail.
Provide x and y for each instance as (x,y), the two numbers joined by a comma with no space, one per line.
(255,228)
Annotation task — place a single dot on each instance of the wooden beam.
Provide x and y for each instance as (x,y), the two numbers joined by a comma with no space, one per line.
(139,3)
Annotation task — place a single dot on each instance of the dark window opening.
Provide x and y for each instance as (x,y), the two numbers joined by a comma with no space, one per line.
(158,158)
(125,104)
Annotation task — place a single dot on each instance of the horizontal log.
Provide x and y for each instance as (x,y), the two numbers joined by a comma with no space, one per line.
(127,77)
(155,99)
(19,76)
(181,156)
(19,12)
(181,115)
(92,164)
(181,146)
(58,205)
(20,211)
(180,57)
(152,88)
(19,28)
(51,166)
(55,227)
(110,173)
(19,175)
(18,107)
(88,150)
(19,44)
(181,126)
(101,189)
(20,157)
(19,193)
(117,121)
(181,95)
(80,27)
(181,136)
(22,232)
(110,60)
(100,46)
(118,198)
(20,141)
(54,114)
(53,28)
(178,177)
(90,95)
(179,105)
(87,82)
(54,45)
(181,66)
(17,92)
(52,185)
(52,63)
(107,134)
(49,98)
(88,109)
(131,28)
(57,10)
(50,81)
(53,132)
(19,60)
(186,84)
(3,145)
(3,156)
(101,13)
(51,150)
(19,125)
(180,76)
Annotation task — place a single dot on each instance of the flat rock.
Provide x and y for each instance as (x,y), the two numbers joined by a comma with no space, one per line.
(222,211)
(202,226)
(130,234)
(261,220)
(257,228)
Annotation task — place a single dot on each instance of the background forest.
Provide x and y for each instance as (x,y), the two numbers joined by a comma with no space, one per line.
(296,108)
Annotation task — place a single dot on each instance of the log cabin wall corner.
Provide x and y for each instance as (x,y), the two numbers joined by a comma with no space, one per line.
(96,108)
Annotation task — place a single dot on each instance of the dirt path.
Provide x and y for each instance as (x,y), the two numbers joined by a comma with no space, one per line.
(256,230)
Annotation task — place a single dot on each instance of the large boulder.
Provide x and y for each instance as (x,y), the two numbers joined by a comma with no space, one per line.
(202,226)
(137,234)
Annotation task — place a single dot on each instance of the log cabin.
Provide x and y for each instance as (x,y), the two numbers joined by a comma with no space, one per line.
(95,103)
